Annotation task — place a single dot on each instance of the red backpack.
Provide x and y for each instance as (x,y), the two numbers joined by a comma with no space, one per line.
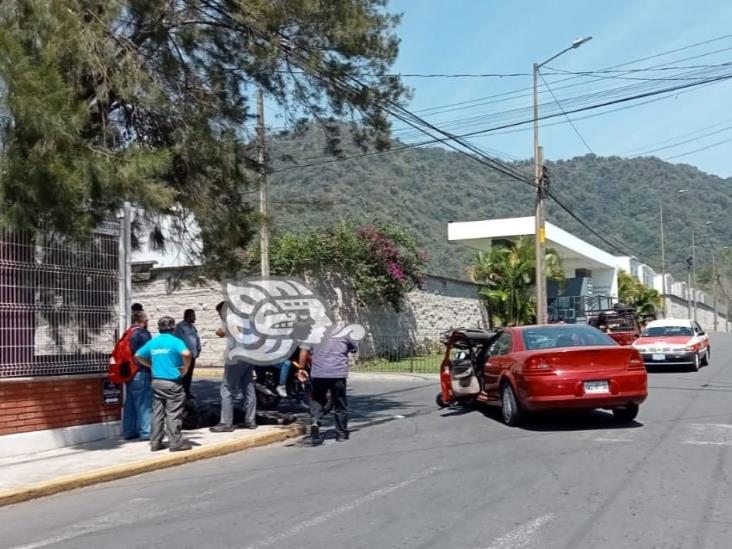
(122,367)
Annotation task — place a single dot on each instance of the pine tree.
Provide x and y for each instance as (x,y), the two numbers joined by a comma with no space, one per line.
(150,101)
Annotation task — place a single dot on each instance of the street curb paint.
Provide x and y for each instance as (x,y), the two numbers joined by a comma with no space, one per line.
(107,474)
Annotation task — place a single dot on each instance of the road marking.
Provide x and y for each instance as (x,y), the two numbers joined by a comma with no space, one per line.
(123,518)
(323,517)
(602,439)
(706,443)
(97,523)
(523,536)
(705,434)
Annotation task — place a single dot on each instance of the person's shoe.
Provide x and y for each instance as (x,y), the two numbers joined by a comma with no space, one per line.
(340,437)
(315,433)
(222,428)
(182,447)
(156,446)
(249,426)
(282,391)
(132,437)
(302,406)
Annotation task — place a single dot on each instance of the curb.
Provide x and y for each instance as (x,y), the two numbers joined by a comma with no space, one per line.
(107,474)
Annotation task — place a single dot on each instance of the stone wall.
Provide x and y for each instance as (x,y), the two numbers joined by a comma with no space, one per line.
(678,308)
(442,304)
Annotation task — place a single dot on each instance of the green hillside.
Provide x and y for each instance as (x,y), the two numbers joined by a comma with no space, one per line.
(428,187)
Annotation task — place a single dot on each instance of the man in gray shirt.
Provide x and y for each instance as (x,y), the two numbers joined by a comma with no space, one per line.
(186,330)
(329,371)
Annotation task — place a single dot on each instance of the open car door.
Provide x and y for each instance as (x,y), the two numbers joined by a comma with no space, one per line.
(461,372)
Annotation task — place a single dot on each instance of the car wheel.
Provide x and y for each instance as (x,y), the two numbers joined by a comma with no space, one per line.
(707,356)
(510,410)
(626,413)
(697,363)
(440,401)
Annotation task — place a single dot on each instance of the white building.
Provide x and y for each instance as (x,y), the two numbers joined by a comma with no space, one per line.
(592,273)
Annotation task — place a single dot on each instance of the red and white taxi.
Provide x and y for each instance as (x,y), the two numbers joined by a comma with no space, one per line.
(674,342)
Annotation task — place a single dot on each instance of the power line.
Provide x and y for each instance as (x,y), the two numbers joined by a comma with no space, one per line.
(699,150)
(565,114)
(653,93)
(684,142)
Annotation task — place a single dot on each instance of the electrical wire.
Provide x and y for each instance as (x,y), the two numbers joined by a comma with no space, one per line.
(565,114)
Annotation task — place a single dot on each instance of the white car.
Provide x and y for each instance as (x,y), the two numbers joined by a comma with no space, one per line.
(674,342)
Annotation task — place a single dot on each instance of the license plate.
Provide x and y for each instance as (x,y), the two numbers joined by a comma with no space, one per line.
(659,357)
(594,387)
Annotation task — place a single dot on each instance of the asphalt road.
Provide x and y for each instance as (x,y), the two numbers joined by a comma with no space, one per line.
(415,476)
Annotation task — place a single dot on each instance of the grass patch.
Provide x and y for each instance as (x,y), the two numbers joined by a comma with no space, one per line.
(423,364)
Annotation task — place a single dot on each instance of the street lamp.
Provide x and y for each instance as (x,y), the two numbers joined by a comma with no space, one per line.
(541,194)
(692,268)
(663,259)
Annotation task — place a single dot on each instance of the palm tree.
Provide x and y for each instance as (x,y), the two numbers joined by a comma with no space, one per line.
(633,292)
(507,274)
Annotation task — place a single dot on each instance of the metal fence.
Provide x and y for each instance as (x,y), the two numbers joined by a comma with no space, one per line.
(398,355)
(58,302)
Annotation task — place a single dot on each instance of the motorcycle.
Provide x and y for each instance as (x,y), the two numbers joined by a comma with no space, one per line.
(298,387)
(266,382)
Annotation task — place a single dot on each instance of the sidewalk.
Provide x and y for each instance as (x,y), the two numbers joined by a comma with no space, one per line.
(36,475)
(42,474)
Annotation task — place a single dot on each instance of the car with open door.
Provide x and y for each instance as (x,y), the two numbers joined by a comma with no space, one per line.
(674,342)
(535,368)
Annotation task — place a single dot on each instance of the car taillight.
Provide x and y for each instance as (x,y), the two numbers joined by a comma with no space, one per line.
(694,347)
(636,362)
(537,367)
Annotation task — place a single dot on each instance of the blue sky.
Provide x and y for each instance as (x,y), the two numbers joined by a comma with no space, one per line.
(472,36)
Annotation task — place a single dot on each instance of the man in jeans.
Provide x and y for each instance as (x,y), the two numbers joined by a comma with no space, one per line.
(329,371)
(169,359)
(137,412)
(186,330)
(238,376)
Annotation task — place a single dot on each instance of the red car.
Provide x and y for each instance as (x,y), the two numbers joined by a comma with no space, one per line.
(534,368)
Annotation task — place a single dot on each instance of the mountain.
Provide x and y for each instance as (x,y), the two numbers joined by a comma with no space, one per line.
(425,188)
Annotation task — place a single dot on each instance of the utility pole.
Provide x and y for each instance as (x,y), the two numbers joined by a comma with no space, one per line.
(261,158)
(693,268)
(540,240)
(663,260)
(715,283)
(689,289)
(541,194)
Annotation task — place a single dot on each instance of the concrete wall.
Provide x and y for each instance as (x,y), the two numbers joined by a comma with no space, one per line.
(678,308)
(442,304)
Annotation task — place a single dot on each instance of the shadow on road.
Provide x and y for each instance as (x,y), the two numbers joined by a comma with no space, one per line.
(578,420)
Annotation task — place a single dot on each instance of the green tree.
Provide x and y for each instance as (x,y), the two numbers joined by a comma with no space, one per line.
(380,261)
(633,292)
(149,101)
(508,274)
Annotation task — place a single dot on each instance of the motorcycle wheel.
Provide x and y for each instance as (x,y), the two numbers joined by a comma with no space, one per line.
(267,402)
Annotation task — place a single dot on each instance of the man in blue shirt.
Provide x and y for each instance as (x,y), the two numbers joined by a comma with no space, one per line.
(137,412)
(186,330)
(169,359)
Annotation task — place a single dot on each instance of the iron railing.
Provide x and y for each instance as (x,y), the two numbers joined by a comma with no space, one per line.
(58,303)
(399,355)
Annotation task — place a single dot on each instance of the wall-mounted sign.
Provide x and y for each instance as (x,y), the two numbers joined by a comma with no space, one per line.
(111,392)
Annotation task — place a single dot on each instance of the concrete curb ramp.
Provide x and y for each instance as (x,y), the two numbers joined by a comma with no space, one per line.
(97,476)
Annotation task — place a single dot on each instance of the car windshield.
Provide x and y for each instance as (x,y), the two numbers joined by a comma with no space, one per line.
(553,337)
(667,331)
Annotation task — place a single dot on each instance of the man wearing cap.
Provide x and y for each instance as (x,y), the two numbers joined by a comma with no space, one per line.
(169,359)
